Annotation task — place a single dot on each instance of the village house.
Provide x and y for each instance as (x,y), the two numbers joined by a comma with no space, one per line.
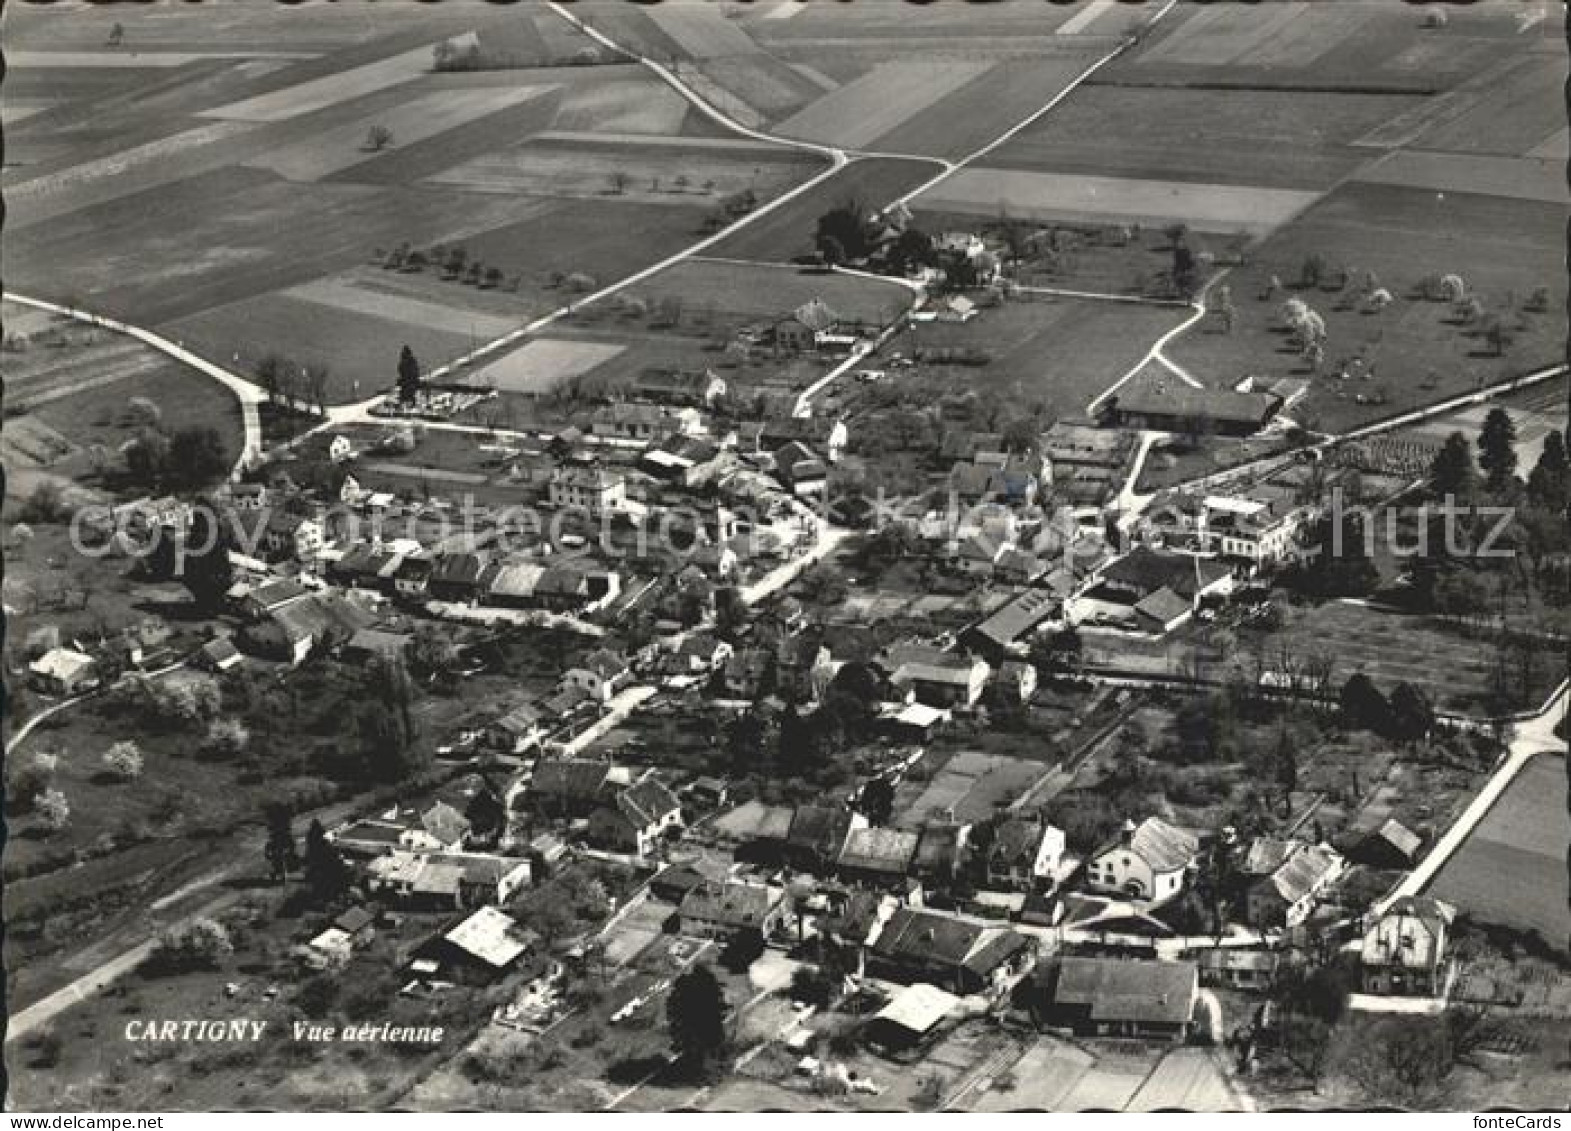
(698,388)
(962,955)
(942,850)
(1150,590)
(63,671)
(1166,404)
(720,910)
(1285,879)
(1025,854)
(448,880)
(218,655)
(911,1018)
(292,537)
(1118,997)
(412,578)
(439,826)
(637,818)
(936,677)
(261,601)
(1149,861)
(600,674)
(1392,845)
(1259,527)
(483,946)
(878,856)
(592,489)
(1403,952)
(818,836)
(568,787)
(801,331)
(1233,968)
(800,471)
(522,729)
(1013,622)
(819,434)
(456,575)
(644,421)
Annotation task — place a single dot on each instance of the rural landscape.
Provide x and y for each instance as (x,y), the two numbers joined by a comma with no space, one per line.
(786,556)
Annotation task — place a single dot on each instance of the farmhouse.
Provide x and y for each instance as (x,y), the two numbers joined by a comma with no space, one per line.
(1111,997)
(1166,404)
(802,330)
(488,942)
(817,836)
(936,677)
(1237,969)
(1259,528)
(941,851)
(1148,862)
(1403,952)
(698,388)
(799,470)
(1013,622)
(644,421)
(1149,589)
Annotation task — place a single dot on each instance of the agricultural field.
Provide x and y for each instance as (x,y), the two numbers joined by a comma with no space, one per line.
(1511,870)
(1059,352)
(1502,248)
(1265,139)
(1343,45)
(240,203)
(730,290)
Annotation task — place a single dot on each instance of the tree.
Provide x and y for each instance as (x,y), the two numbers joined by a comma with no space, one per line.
(225,738)
(53,810)
(1452,474)
(844,227)
(1497,449)
(1549,483)
(209,571)
(493,277)
(196,457)
(618,180)
(408,376)
(32,777)
(201,944)
(431,653)
(280,847)
(1412,717)
(1313,270)
(124,760)
(456,259)
(877,801)
(147,456)
(378,138)
(696,1017)
(1452,289)
(326,873)
(1363,705)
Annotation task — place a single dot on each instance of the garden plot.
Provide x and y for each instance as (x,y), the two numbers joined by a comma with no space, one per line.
(541,365)
(1047,1074)
(884,98)
(413,121)
(329,90)
(1116,200)
(1511,870)
(973,786)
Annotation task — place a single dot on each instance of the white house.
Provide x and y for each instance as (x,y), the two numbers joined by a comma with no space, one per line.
(1148,862)
(593,489)
(601,674)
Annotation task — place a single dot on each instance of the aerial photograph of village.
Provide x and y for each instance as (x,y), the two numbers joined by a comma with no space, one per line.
(785,555)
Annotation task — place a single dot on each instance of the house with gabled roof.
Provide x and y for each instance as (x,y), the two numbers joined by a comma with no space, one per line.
(952,951)
(818,836)
(1403,952)
(637,818)
(1149,861)
(727,908)
(1281,894)
(1025,853)
(600,674)
(878,855)
(568,787)
(1118,997)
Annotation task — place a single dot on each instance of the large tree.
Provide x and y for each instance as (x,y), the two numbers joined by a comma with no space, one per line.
(1549,483)
(1497,449)
(408,376)
(696,1017)
(326,872)
(196,457)
(209,573)
(1412,716)
(1363,705)
(1453,473)
(280,847)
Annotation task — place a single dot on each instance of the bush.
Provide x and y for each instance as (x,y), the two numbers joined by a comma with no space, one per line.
(225,738)
(201,944)
(53,809)
(32,777)
(124,761)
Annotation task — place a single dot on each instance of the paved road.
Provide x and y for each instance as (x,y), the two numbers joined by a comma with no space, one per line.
(248,394)
(1531,738)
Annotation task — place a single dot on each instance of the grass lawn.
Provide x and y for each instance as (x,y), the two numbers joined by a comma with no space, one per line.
(1503,249)
(1060,352)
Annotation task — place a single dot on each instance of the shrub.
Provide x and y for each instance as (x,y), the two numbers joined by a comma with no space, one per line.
(124,760)
(53,809)
(225,738)
(201,944)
